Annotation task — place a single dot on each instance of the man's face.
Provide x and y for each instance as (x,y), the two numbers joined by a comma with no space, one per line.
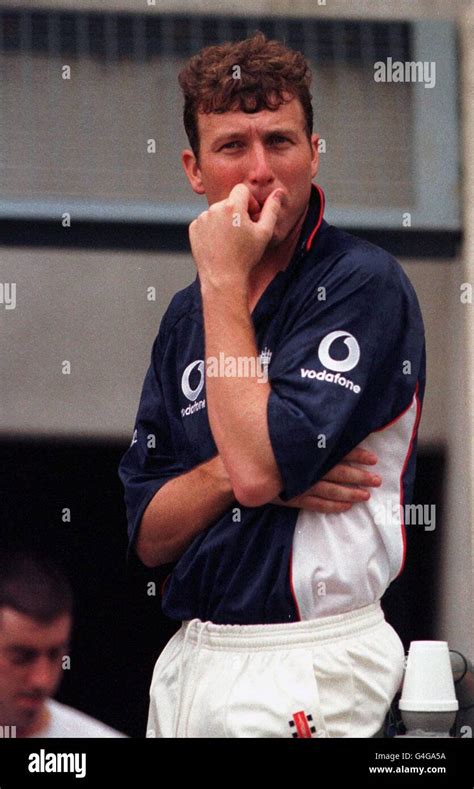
(263,150)
(30,665)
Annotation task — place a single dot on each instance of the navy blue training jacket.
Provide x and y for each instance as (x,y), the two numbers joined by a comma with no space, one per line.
(342,333)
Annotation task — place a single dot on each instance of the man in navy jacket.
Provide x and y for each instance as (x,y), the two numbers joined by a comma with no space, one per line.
(298,350)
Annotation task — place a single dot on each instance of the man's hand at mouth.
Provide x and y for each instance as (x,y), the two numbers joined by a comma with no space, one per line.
(230,237)
(255,207)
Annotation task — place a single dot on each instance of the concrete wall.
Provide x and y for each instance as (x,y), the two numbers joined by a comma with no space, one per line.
(91,309)
(375,9)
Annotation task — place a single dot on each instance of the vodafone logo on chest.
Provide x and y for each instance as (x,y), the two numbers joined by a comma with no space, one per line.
(339,365)
(328,351)
(192,393)
(192,383)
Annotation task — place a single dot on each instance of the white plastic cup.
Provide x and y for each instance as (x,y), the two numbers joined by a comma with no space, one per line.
(428,698)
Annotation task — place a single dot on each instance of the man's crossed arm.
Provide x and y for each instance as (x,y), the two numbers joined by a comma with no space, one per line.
(188,504)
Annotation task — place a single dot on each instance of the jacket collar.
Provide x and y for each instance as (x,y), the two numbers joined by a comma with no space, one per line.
(314,219)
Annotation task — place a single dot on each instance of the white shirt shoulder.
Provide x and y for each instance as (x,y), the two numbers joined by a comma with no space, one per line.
(67,722)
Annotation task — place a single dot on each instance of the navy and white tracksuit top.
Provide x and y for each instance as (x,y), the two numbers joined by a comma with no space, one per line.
(342,333)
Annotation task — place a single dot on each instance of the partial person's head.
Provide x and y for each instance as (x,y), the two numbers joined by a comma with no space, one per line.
(35,624)
(249,119)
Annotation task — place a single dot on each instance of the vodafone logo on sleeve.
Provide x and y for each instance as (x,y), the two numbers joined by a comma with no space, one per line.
(326,348)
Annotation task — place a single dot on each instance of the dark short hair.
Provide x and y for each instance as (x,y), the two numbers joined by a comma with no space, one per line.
(34,585)
(269,72)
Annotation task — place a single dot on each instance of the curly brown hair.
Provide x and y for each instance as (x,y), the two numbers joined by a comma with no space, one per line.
(269,74)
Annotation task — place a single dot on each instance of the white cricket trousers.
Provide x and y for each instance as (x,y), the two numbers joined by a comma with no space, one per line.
(329,677)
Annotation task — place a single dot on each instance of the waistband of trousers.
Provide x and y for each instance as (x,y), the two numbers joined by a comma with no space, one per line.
(292,634)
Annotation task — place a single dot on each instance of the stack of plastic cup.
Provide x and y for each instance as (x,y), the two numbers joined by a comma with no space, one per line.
(428,703)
